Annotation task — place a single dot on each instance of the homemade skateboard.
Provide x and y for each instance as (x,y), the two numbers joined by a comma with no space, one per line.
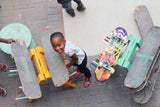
(54,61)
(143,19)
(146,60)
(116,42)
(143,58)
(26,70)
(144,95)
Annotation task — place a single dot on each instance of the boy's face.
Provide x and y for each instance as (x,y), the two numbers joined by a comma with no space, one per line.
(58,44)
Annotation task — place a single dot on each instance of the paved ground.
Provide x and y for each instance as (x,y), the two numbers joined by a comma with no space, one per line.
(36,14)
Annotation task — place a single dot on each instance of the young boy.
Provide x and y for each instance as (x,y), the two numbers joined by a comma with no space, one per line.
(3,67)
(74,54)
(67,5)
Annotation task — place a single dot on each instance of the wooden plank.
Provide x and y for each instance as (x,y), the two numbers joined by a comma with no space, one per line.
(54,60)
(143,19)
(26,70)
(144,95)
(143,59)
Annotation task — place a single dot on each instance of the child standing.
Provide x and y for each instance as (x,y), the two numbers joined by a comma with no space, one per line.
(3,67)
(76,56)
(67,5)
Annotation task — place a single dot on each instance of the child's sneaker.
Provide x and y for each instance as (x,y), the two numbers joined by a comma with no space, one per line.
(3,92)
(3,67)
(87,82)
(71,12)
(81,7)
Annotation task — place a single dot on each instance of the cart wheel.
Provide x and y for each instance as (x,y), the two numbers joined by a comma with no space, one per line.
(126,41)
(112,70)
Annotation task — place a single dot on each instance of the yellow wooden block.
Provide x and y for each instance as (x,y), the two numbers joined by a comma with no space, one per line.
(48,75)
(65,62)
(44,68)
(31,53)
(69,84)
(40,78)
(34,56)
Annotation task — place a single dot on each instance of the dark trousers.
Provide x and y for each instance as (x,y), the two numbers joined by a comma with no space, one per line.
(67,4)
(82,67)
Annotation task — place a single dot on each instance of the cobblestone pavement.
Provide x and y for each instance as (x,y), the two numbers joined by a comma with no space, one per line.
(36,14)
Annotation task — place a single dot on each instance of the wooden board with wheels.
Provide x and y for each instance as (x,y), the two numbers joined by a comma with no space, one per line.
(116,43)
(26,71)
(54,61)
(143,19)
(142,60)
(144,95)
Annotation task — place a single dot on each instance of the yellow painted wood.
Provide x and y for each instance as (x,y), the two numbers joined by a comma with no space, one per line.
(34,56)
(69,84)
(40,53)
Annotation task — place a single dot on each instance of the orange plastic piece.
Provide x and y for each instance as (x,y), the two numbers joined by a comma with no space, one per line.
(47,27)
(100,55)
(31,100)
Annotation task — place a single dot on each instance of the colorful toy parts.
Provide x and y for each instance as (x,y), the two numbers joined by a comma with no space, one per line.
(116,42)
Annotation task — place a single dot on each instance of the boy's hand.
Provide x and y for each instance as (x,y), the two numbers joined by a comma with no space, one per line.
(10,40)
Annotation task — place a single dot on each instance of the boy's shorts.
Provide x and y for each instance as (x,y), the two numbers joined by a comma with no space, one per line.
(67,5)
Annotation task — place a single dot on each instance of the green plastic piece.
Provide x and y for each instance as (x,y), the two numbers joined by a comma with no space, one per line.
(32,45)
(22,95)
(112,40)
(13,74)
(97,60)
(15,31)
(0,6)
(11,60)
(125,60)
(148,81)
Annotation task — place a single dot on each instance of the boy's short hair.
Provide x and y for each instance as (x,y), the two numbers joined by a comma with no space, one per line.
(56,34)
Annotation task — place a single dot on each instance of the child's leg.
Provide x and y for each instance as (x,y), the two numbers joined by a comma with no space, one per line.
(83,69)
(80,7)
(68,7)
(3,67)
